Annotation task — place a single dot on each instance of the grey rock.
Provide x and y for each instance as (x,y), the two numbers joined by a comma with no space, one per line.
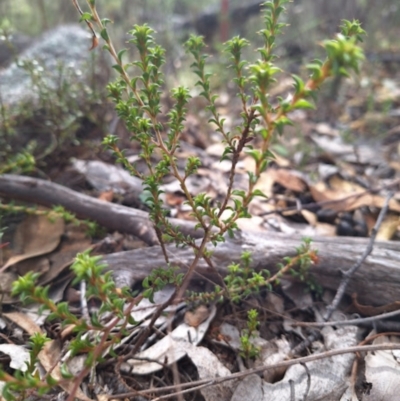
(66,45)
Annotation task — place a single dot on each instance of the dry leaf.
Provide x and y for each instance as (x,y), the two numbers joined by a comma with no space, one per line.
(23,321)
(194,319)
(382,369)
(289,179)
(36,236)
(347,196)
(388,228)
(39,264)
(107,196)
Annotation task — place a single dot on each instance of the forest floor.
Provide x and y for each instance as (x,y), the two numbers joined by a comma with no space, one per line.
(335,171)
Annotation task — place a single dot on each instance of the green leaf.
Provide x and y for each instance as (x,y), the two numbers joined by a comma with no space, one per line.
(65,373)
(298,84)
(105,21)
(86,17)
(121,53)
(303,104)
(104,34)
(239,193)
(118,68)
(258,192)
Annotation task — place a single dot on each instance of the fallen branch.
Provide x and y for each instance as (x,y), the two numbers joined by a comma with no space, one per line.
(110,215)
(376,282)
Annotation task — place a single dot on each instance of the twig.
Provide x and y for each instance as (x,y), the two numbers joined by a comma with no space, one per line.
(110,215)
(348,322)
(308,381)
(84,305)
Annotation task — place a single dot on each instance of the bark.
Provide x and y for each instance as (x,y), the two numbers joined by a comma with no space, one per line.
(376,282)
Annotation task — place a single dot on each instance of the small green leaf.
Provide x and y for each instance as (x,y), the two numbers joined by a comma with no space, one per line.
(118,68)
(86,17)
(121,53)
(105,21)
(303,104)
(104,34)
(258,192)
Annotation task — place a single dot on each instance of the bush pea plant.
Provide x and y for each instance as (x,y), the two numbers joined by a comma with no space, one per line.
(137,96)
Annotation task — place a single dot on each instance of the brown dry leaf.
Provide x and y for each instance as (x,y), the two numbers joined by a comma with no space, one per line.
(198,316)
(347,196)
(289,179)
(265,184)
(95,42)
(173,199)
(107,196)
(395,165)
(51,266)
(24,322)
(39,264)
(388,227)
(337,183)
(311,217)
(36,236)
(370,220)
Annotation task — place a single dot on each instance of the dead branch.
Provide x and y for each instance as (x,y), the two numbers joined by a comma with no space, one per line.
(110,215)
(376,282)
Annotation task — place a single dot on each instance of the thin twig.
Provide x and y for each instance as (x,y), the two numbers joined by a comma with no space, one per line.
(308,381)
(84,305)
(350,321)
